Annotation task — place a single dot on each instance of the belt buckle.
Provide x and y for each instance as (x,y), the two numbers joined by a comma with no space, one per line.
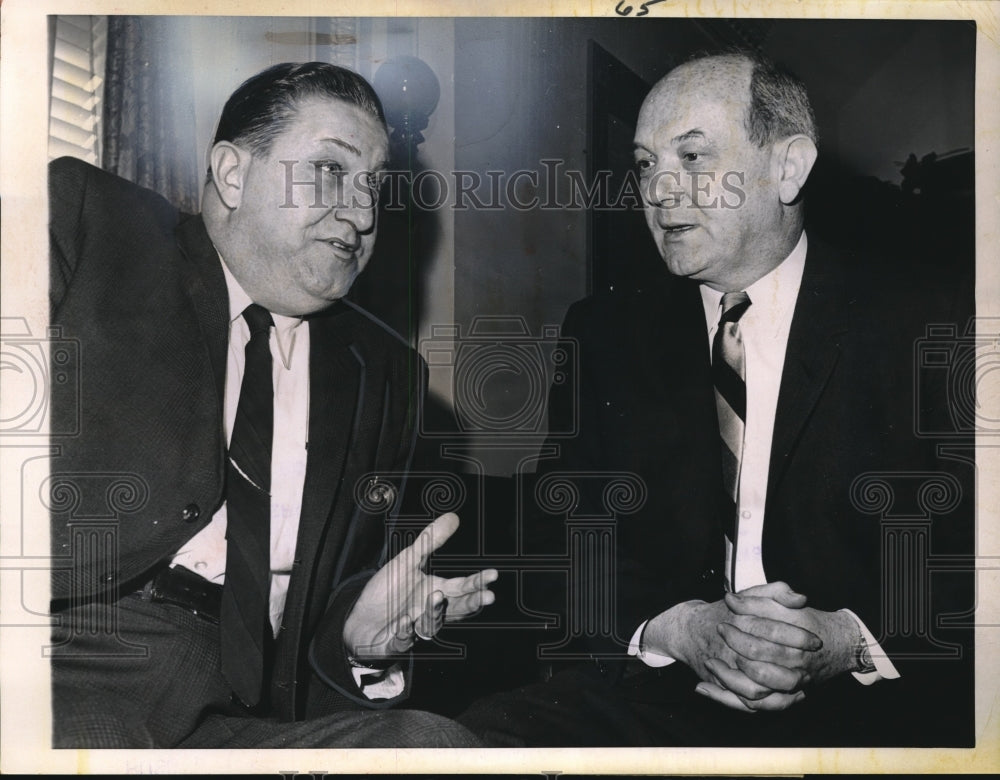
(181,587)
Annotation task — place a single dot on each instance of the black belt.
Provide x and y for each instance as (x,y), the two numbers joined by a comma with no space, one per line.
(183,588)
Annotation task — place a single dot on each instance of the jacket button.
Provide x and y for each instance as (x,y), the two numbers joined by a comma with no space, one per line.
(190,513)
(708,574)
(107,577)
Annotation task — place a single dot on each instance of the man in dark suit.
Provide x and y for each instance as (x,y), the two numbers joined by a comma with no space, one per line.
(245,430)
(774,587)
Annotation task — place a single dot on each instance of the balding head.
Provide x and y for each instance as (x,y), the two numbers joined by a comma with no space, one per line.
(723,168)
(777,104)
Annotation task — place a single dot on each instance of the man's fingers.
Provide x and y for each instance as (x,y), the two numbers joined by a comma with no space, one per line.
(766,619)
(395,639)
(772,676)
(459,586)
(777,591)
(778,649)
(467,595)
(428,540)
(760,606)
(469,604)
(770,703)
(736,681)
(775,702)
(722,696)
(403,630)
(432,618)
(434,535)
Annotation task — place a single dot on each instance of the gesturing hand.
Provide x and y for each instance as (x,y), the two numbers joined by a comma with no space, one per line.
(402,601)
(767,658)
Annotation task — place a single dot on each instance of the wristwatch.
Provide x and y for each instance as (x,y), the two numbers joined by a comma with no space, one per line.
(373,666)
(862,655)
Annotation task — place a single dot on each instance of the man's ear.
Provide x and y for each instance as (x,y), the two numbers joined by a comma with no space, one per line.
(794,158)
(229,164)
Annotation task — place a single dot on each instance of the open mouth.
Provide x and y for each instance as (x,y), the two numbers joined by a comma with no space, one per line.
(342,248)
(674,230)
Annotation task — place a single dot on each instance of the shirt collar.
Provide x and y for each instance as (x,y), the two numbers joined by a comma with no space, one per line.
(284,327)
(772,297)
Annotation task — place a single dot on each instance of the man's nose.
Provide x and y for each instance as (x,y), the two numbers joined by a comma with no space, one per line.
(665,188)
(357,206)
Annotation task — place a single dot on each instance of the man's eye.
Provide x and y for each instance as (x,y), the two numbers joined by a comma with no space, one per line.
(691,156)
(331,168)
(644,165)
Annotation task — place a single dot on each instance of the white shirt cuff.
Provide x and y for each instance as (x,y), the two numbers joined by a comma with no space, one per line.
(884,670)
(647,656)
(378,683)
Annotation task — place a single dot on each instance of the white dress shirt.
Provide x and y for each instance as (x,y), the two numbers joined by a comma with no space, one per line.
(764,328)
(205,553)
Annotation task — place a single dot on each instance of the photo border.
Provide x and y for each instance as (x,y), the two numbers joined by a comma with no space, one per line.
(24,729)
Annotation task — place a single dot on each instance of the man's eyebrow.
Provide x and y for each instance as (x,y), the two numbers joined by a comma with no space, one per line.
(689,136)
(342,143)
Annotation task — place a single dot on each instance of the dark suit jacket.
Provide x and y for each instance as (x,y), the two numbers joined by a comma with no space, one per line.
(140,289)
(851,499)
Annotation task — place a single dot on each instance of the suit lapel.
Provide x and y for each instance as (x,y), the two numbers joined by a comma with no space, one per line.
(676,338)
(336,398)
(682,423)
(818,326)
(206,286)
(691,395)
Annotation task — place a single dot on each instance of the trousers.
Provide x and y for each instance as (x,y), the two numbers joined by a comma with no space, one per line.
(581,706)
(145,674)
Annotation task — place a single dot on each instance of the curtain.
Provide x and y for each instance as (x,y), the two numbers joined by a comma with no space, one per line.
(149,135)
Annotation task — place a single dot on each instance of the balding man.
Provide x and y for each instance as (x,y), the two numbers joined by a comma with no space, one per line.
(754,389)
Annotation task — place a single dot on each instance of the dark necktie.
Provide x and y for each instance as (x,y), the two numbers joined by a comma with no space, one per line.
(729,378)
(246,634)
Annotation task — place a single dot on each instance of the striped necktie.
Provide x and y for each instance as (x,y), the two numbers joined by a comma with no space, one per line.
(246,635)
(729,378)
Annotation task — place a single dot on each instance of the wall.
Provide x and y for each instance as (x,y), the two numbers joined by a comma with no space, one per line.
(884,89)
(881,90)
(514,93)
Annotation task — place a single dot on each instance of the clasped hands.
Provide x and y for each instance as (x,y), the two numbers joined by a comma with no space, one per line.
(402,602)
(757,649)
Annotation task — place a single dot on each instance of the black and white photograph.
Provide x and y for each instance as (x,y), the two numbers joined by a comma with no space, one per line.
(427,388)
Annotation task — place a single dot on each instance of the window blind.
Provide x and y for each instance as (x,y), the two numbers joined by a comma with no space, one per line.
(77,90)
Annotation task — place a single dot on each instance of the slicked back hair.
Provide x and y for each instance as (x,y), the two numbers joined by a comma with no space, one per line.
(264,105)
